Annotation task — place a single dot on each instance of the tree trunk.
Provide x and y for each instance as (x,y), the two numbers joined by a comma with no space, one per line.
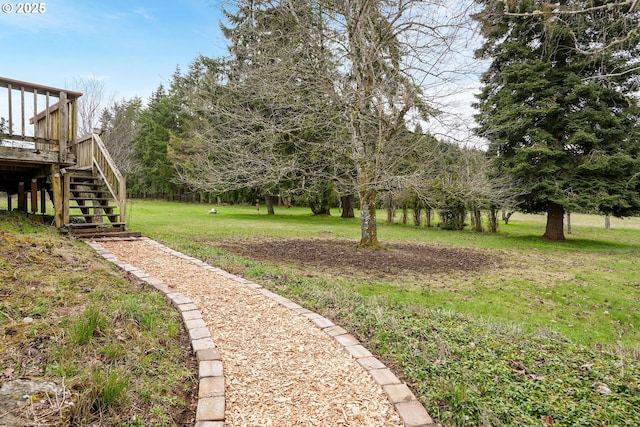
(607,222)
(347,206)
(506,215)
(368,225)
(417,214)
(461,216)
(568,222)
(477,220)
(405,211)
(391,211)
(493,220)
(269,201)
(555,223)
(428,225)
(320,208)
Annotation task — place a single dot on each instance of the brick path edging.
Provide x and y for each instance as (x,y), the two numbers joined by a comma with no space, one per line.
(210,411)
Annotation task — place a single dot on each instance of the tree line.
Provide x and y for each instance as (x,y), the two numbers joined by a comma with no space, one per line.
(324,104)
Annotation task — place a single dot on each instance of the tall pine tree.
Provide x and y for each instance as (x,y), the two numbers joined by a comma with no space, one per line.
(158,122)
(558,105)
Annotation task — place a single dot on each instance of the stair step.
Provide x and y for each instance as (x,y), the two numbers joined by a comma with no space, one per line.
(94,207)
(109,217)
(85,181)
(109,210)
(86,188)
(88,178)
(84,225)
(92,198)
(98,202)
(102,232)
(86,184)
(101,194)
(106,234)
(77,176)
(102,202)
(88,175)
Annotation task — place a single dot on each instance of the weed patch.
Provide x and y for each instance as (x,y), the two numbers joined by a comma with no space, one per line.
(471,372)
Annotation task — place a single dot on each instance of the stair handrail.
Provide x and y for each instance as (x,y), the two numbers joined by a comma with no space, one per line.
(109,172)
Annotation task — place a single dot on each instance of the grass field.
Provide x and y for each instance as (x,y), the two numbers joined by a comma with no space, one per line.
(587,288)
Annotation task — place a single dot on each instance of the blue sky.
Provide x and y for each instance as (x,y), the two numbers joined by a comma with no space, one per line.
(132,46)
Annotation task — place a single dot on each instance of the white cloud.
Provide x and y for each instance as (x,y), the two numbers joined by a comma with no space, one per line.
(146,15)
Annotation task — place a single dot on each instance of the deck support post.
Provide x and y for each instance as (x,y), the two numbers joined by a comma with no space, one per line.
(34,196)
(9,200)
(43,201)
(58,200)
(22,198)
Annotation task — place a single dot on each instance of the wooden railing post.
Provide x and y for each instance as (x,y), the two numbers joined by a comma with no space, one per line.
(10,108)
(63,113)
(122,202)
(93,150)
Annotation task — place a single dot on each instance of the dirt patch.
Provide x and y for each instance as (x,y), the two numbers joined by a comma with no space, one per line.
(344,255)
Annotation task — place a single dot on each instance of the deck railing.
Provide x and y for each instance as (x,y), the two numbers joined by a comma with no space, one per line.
(92,153)
(38,118)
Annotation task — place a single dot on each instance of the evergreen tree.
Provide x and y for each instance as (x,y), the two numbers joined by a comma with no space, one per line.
(558,108)
(158,122)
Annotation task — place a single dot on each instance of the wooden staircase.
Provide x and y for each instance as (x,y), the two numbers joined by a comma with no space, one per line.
(91,207)
(95,193)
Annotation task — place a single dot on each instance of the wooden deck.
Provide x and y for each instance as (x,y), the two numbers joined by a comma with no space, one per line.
(40,154)
(37,129)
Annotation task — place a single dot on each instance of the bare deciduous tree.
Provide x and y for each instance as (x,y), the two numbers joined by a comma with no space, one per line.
(119,125)
(323,91)
(398,56)
(90,104)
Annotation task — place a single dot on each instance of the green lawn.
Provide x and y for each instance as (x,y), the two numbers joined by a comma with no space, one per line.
(587,288)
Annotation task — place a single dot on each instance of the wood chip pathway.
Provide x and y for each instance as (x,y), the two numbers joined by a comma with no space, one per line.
(264,360)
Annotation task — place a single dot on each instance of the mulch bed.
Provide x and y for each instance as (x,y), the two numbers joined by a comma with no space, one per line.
(396,258)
